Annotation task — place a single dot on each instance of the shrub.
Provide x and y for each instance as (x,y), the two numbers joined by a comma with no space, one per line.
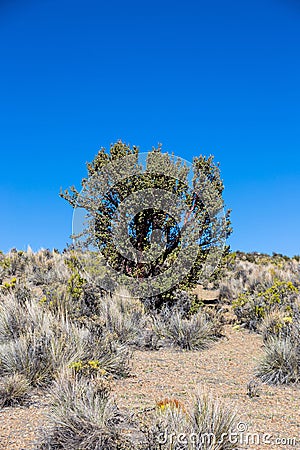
(45,268)
(276,324)
(252,307)
(255,273)
(75,285)
(9,285)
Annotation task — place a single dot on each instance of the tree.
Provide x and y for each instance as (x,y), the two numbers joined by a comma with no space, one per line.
(157,221)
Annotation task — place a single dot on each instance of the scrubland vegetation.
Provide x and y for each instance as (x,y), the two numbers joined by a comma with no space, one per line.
(264,294)
(62,334)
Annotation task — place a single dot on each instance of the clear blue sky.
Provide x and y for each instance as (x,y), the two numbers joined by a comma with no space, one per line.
(211,77)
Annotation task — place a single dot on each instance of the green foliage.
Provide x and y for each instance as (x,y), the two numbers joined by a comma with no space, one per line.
(252,307)
(75,285)
(4,262)
(276,324)
(76,282)
(89,368)
(174,180)
(9,284)
(196,305)
(278,293)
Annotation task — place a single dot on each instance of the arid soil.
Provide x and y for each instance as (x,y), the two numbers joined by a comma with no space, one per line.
(225,369)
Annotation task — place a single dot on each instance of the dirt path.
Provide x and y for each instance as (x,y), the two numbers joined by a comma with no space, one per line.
(225,369)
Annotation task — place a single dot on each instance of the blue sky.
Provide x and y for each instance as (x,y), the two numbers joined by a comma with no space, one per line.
(201,77)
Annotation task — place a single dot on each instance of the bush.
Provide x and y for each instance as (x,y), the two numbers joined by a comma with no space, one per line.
(252,307)
(255,272)
(276,324)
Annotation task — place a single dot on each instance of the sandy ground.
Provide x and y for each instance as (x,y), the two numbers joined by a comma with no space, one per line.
(225,369)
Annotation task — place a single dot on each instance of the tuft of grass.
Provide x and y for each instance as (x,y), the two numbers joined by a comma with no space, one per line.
(41,351)
(14,317)
(211,417)
(280,363)
(14,390)
(123,316)
(82,416)
(206,426)
(37,355)
(195,333)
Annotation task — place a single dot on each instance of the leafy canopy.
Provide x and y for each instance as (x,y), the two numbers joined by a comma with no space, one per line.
(153,208)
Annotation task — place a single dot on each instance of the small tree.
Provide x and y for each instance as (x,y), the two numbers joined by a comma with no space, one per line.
(157,208)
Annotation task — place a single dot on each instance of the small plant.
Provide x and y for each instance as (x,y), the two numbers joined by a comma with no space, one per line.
(280,363)
(82,416)
(90,368)
(276,324)
(161,428)
(14,390)
(123,316)
(171,403)
(253,388)
(206,426)
(211,417)
(9,285)
(195,333)
(75,285)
